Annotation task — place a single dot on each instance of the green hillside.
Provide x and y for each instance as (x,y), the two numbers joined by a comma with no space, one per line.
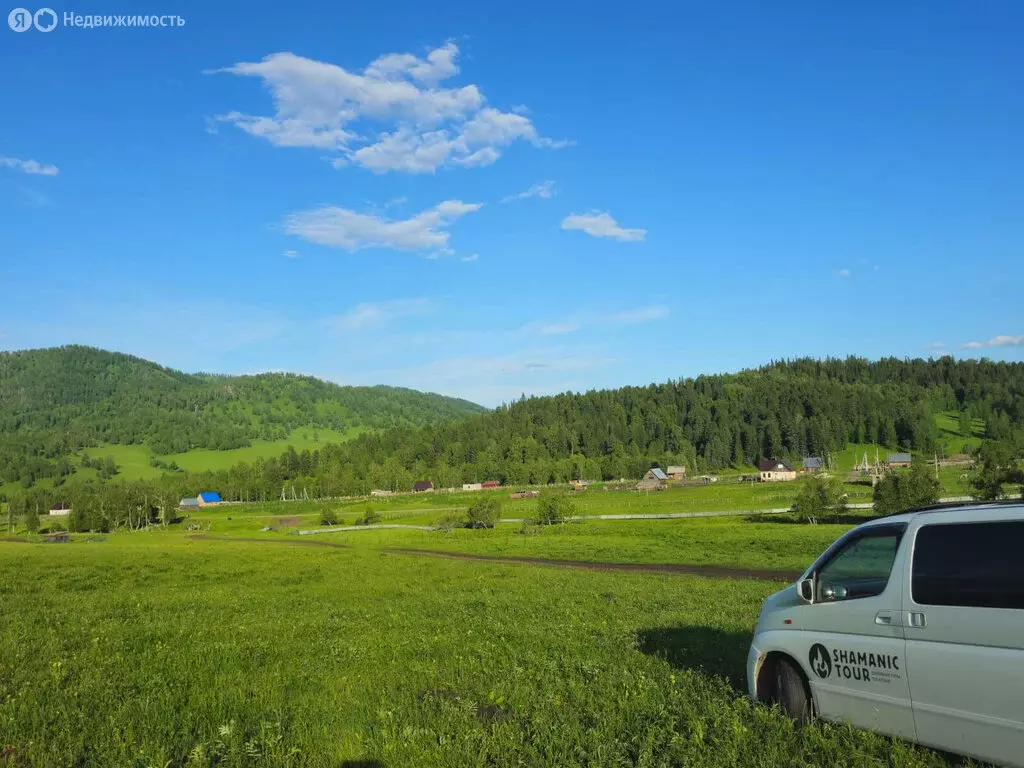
(57,403)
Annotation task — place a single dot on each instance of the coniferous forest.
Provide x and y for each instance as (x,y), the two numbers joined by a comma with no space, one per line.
(786,409)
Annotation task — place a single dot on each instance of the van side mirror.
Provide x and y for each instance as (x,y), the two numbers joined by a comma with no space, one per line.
(806,590)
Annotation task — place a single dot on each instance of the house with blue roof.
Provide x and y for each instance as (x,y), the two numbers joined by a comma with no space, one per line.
(208,498)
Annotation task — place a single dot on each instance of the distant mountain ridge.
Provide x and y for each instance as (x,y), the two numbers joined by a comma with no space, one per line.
(56,401)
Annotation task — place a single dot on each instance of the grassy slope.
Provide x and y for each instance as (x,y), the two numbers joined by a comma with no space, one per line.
(315,656)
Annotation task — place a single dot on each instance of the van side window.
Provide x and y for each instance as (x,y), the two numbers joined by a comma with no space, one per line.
(861,568)
(975,565)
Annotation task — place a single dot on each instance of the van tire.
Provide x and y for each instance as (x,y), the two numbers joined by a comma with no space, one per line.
(791,691)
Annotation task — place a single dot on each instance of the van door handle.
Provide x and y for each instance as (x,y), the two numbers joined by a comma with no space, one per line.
(885,618)
(915,619)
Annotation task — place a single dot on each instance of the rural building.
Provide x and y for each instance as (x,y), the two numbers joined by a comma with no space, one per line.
(774,471)
(208,498)
(472,486)
(422,486)
(189,504)
(654,480)
(579,485)
(811,465)
(895,460)
(60,510)
(489,484)
(676,474)
(382,493)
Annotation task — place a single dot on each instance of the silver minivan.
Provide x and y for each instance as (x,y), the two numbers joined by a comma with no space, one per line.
(911,625)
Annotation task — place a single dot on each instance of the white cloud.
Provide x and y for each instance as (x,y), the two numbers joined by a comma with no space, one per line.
(370,315)
(642,315)
(844,273)
(601,224)
(29,166)
(471,257)
(997,341)
(544,190)
(559,329)
(935,345)
(391,116)
(342,228)
(290,254)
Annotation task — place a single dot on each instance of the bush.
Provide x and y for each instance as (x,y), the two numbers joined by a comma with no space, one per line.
(329,517)
(370,517)
(529,528)
(447,523)
(899,491)
(483,513)
(553,509)
(819,499)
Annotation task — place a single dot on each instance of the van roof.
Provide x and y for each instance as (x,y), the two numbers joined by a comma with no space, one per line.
(952,506)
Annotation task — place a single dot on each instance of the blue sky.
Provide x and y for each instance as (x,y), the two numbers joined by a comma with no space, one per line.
(486,201)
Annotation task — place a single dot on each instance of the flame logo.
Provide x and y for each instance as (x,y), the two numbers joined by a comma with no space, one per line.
(820,661)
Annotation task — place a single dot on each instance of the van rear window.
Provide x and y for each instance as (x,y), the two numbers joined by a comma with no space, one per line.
(975,565)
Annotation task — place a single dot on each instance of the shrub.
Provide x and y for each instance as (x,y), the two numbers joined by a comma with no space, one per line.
(447,523)
(329,517)
(819,498)
(553,509)
(483,513)
(529,528)
(370,517)
(899,491)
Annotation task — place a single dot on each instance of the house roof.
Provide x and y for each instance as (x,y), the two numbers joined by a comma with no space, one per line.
(209,496)
(774,465)
(58,507)
(191,502)
(811,462)
(658,474)
(490,484)
(422,485)
(898,458)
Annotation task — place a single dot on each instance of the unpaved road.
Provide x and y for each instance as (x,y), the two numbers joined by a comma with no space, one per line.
(709,571)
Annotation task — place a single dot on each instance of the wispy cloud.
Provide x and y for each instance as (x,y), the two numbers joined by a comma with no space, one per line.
(935,346)
(372,315)
(544,190)
(29,166)
(471,257)
(997,341)
(641,315)
(290,254)
(844,273)
(392,116)
(342,228)
(601,224)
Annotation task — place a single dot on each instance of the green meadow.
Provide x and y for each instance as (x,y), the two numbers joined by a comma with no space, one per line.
(154,649)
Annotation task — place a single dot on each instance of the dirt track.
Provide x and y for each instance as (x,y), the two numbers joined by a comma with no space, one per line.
(708,571)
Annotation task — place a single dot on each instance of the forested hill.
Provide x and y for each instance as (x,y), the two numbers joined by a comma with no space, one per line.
(56,401)
(783,410)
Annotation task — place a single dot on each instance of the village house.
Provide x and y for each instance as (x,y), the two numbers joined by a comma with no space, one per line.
(208,498)
(524,494)
(491,484)
(472,486)
(898,460)
(188,504)
(422,486)
(811,465)
(60,510)
(676,474)
(774,471)
(653,480)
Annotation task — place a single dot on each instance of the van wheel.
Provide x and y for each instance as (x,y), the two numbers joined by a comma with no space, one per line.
(791,691)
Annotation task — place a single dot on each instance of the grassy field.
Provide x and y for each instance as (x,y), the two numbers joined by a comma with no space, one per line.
(149,649)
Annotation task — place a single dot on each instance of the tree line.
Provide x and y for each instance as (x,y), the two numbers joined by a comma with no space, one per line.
(787,409)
